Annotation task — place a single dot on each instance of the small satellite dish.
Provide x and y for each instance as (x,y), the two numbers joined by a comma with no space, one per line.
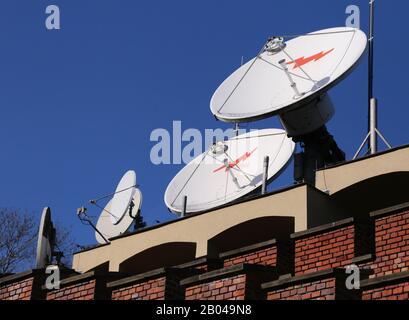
(122,197)
(116,217)
(289,75)
(229,170)
(46,240)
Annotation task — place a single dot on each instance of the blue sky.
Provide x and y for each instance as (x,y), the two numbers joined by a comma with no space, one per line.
(78,105)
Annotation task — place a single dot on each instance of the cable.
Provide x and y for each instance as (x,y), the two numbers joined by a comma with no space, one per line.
(112,194)
(313,34)
(103,209)
(259,136)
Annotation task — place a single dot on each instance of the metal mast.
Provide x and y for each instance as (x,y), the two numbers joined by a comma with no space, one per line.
(373,132)
(373,141)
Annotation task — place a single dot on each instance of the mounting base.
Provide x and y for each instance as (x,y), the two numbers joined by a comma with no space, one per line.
(372,136)
(320,150)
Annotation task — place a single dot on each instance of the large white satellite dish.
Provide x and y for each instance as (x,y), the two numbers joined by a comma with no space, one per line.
(229,170)
(46,240)
(115,218)
(287,75)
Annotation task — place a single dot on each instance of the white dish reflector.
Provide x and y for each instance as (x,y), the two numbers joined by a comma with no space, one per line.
(229,170)
(316,62)
(45,240)
(123,196)
(115,218)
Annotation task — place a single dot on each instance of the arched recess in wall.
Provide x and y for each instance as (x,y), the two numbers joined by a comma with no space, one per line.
(373,194)
(162,256)
(103,267)
(249,233)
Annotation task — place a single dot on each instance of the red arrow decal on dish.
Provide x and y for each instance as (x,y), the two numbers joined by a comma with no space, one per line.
(303,61)
(244,157)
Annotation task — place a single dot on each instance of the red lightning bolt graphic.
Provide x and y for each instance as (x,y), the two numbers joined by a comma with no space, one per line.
(303,61)
(244,157)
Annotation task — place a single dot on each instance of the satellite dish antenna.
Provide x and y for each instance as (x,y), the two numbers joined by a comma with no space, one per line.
(46,240)
(288,75)
(117,216)
(291,79)
(110,230)
(228,171)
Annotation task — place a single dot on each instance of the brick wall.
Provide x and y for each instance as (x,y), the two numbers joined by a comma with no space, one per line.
(266,257)
(322,285)
(392,243)
(225,289)
(239,282)
(392,292)
(390,287)
(22,286)
(319,290)
(325,250)
(272,253)
(150,290)
(309,265)
(20,290)
(88,286)
(79,291)
(160,284)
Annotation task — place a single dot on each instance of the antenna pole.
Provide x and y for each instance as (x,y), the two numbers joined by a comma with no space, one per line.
(237,128)
(371,139)
(184,206)
(373,124)
(371,71)
(82,215)
(95,228)
(265,175)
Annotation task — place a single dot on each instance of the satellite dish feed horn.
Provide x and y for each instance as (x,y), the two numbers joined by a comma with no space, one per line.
(293,85)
